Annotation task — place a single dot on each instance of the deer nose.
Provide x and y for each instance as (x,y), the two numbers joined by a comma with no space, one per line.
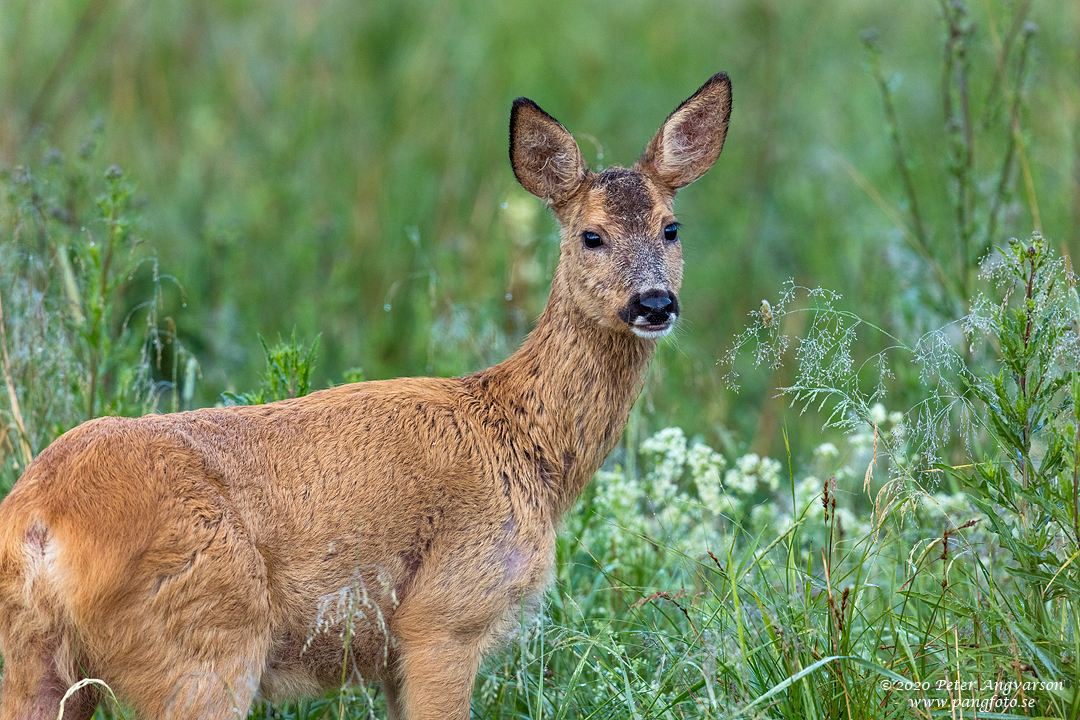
(652,308)
(651,314)
(657,305)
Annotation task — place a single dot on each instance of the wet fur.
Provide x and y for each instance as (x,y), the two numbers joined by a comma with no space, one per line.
(195,560)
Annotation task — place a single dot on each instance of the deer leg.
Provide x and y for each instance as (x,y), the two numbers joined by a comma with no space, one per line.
(33,690)
(209,695)
(41,663)
(392,691)
(193,637)
(179,679)
(437,678)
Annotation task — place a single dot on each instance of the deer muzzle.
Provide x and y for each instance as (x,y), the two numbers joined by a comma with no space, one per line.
(651,314)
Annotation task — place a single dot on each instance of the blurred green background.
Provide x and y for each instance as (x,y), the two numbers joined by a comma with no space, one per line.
(340,167)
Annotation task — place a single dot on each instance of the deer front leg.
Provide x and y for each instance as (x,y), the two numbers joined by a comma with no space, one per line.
(436,678)
(392,692)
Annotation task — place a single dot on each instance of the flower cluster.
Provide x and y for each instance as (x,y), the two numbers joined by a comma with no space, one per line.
(689,498)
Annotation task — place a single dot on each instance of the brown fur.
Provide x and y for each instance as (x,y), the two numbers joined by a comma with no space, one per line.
(193,560)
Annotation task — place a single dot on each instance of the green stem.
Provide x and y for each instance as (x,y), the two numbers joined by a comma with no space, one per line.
(1076,485)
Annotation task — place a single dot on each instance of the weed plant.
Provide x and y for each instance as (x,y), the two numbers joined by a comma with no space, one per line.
(287,375)
(965,592)
(80,331)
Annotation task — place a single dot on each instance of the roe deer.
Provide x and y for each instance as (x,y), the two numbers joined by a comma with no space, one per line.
(396,529)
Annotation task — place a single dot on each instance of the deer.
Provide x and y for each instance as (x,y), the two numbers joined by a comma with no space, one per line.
(394,531)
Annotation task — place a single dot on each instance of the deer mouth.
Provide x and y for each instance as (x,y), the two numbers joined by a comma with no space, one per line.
(652,331)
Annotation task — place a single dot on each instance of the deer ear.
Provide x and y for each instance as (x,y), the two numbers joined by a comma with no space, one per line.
(544,155)
(690,140)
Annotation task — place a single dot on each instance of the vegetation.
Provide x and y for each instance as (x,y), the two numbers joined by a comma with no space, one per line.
(897,535)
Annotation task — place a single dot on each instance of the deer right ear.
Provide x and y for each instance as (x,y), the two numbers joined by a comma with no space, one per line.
(544,155)
(690,140)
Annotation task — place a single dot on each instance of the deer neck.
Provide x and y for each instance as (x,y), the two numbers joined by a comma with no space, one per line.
(569,390)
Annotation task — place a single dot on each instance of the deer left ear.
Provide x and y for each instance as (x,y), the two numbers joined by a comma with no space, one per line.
(690,140)
(544,155)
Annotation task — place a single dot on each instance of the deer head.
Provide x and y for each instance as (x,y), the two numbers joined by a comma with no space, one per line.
(621,260)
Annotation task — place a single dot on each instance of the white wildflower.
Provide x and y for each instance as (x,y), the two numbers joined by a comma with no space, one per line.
(747,464)
(705,466)
(826,451)
(742,478)
(769,473)
(750,471)
(669,447)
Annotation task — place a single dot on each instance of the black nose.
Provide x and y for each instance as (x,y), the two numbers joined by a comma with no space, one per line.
(655,307)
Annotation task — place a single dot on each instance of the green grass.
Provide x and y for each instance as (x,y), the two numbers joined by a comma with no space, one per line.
(338,170)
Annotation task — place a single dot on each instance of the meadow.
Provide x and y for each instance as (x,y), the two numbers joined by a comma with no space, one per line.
(857,498)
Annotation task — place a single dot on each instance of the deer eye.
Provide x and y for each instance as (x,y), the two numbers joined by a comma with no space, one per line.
(671,232)
(591,239)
